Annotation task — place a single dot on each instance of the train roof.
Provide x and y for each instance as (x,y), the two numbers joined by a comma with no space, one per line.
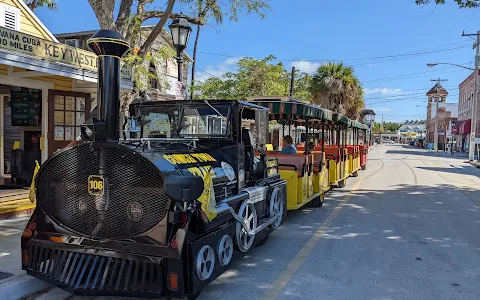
(356,124)
(281,108)
(196,102)
(287,108)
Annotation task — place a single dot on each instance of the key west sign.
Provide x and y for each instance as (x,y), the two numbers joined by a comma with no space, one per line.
(31,45)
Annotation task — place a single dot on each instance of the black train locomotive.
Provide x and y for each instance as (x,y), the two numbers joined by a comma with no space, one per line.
(161,211)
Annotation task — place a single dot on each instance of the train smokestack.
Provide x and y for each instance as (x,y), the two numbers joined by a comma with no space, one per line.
(109,46)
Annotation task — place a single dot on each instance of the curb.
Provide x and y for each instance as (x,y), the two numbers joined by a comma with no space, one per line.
(20,286)
(55,293)
(18,213)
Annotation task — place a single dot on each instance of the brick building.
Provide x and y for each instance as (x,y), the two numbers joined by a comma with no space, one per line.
(464,123)
(436,94)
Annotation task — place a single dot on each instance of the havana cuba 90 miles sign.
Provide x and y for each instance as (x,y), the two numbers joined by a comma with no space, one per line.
(31,45)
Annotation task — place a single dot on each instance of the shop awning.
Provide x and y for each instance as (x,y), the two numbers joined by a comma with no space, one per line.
(464,127)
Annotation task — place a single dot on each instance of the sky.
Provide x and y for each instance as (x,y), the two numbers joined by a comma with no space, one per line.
(388,43)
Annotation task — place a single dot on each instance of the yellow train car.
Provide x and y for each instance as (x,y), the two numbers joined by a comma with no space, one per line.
(307,172)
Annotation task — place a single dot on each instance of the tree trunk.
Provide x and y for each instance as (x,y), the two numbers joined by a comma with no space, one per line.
(194,60)
(157,29)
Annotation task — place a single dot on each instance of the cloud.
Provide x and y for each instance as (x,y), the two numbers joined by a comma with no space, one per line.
(383,91)
(226,66)
(232,60)
(306,66)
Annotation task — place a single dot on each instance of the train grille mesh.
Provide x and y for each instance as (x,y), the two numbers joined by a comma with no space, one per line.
(82,271)
(133,201)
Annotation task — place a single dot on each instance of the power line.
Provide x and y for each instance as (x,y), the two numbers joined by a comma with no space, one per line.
(401,94)
(202,70)
(404,99)
(407,54)
(406,75)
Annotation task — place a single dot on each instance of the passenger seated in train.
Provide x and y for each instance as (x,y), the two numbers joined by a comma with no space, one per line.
(288,147)
(311,147)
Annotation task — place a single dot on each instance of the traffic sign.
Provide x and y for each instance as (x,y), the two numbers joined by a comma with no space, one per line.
(454,129)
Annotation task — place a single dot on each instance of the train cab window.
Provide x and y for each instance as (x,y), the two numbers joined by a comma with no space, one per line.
(205,121)
(247,142)
(157,124)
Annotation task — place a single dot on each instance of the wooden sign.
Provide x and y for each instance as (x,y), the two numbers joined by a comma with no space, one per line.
(31,45)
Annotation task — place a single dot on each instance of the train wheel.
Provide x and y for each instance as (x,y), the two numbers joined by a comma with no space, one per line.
(318,202)
(205,262)
(355,174)
(191,297)
(263,241)
(342,184)
(249,214)
(364,167)
(225,250)
(276,207)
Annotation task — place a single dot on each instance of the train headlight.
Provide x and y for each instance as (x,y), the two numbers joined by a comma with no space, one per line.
(87,132)
(93,130)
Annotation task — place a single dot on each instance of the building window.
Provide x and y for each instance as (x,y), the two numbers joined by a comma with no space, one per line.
(9,17)
(153,79)
(72,43)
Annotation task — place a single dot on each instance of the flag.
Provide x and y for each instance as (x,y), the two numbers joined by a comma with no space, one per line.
(208,197)
(31,195)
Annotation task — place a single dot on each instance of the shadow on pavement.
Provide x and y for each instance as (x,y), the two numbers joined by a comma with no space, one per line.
(422,234)
(423,152)
(388,231)
(464,171)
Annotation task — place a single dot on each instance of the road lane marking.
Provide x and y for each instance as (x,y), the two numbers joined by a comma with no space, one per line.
(287,274)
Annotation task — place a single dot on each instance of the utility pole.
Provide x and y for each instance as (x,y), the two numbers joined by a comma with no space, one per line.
(435,137)
(292,81)
(381,130)
(471,145)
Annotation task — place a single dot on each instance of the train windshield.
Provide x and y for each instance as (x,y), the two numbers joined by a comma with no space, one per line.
(204,121)
(189,121)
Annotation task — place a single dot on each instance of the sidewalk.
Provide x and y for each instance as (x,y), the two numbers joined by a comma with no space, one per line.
(448,154)
(14,283)
(10,233)
(15,202)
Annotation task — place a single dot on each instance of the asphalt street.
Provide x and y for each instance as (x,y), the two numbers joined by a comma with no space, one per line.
(406,228)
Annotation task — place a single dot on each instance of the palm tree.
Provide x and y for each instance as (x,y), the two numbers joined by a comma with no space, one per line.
(335,87)
(32,4)
(377,128)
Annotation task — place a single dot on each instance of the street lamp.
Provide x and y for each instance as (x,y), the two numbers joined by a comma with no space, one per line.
(180,29)
(471,148)
(435,64)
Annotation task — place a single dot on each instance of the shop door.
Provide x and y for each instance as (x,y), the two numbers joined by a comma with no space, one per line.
(67,111)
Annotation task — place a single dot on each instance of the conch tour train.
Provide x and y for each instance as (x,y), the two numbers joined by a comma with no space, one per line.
(162,210)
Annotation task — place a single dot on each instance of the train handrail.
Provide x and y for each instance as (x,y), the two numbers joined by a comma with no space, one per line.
(295,168)
(289,166)
(334,156)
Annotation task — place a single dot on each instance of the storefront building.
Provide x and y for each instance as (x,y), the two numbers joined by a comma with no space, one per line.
(447,112)
(43,100)
(412,130)
(464,123)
